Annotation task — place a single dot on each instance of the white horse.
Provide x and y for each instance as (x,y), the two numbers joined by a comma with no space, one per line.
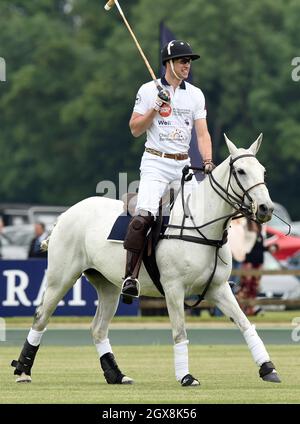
(78,244)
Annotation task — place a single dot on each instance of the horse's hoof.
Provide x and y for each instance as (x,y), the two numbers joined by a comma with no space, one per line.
(273,377)
(189,380)
(268,372)
(127,380)
(23,378)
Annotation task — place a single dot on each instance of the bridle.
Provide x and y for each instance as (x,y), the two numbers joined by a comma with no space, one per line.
(236,200)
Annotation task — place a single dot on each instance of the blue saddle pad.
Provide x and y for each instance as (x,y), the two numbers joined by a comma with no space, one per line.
(119,229)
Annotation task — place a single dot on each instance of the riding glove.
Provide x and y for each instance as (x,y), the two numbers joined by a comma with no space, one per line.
(162,97)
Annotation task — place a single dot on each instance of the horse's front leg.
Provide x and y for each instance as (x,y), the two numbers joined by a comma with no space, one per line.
(225,300)
(175,304)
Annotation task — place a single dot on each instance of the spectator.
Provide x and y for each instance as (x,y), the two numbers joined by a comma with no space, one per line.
(35,245)
(249,285)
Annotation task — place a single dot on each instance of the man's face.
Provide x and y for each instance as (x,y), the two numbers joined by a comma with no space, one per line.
(38,229)
(182,67)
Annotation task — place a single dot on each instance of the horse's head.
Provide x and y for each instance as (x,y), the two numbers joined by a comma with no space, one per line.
(247,180)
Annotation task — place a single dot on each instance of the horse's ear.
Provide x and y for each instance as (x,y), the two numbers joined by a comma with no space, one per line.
(256,145)
(231,147)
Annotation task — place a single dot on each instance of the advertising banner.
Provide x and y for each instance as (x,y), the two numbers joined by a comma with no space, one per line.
(22,284)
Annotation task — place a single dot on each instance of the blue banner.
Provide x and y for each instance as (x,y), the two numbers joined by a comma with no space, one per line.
(22,284)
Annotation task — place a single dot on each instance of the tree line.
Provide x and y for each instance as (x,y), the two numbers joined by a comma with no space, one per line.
(72,72)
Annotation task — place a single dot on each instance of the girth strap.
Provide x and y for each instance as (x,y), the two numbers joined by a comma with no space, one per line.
(153,271)
(192,239)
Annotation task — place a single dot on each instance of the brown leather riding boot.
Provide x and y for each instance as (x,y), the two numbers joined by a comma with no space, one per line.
(134,243)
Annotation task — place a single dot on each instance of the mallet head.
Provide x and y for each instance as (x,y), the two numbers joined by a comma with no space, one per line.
(109,4)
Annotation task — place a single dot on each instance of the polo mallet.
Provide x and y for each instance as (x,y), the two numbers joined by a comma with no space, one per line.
(108,6)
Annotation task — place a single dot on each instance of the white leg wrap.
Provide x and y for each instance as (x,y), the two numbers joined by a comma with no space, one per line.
(181,360)
(256,346)
(34,337)
(103,347)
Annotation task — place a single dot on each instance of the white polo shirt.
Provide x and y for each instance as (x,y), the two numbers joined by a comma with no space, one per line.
(171,129)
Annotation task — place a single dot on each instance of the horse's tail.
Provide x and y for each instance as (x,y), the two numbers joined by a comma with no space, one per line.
(45,243)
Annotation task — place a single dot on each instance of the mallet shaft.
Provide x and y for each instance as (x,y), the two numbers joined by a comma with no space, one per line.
(108,5)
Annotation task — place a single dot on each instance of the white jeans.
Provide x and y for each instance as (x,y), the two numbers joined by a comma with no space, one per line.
(157,176)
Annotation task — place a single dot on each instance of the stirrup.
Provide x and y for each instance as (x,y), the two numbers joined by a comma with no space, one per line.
(131,287)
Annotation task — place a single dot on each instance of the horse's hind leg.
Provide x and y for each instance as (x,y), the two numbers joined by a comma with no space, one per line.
(55,291)
(225,300)
(108,300)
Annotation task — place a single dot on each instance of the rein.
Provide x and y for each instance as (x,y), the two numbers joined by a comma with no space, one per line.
(235,200)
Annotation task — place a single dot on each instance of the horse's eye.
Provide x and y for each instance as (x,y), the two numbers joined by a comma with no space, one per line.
(241,172)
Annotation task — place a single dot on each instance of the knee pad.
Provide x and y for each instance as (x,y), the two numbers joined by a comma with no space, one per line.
(136,233)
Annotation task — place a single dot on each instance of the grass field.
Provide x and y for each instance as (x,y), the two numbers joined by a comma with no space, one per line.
(227,375)
(72,374)
(280,317)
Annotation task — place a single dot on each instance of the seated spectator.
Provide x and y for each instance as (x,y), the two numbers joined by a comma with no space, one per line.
(35,245)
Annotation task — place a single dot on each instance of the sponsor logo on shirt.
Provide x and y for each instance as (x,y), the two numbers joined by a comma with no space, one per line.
(164,123)
(176,135)
(138,99)
(181,112)
(165,110)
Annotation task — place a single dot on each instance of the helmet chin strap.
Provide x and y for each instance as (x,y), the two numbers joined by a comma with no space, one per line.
(173,70)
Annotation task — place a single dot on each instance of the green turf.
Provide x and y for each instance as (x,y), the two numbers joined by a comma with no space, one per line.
(269,316)
(227,375)
(151,336)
